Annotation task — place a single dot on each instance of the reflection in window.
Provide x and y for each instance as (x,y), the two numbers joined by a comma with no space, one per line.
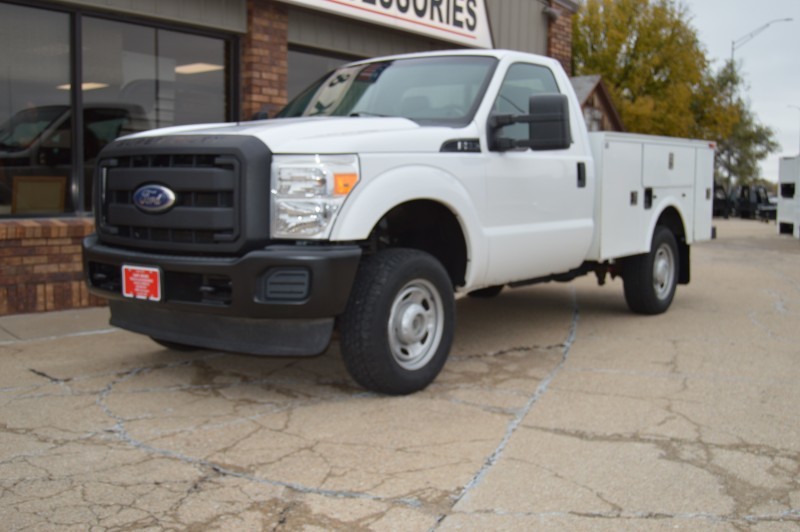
(137,78)
(134,78)
(436,90)
(34,151)
(162,78)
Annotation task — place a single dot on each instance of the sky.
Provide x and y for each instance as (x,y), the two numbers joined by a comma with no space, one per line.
(769,63)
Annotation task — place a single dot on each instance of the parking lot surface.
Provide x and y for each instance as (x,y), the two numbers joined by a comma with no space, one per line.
(558,410)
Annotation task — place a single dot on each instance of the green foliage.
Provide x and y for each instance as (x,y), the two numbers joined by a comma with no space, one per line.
(748,142)
(661,81)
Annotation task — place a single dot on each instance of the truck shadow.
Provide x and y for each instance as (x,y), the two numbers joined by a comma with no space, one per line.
(531,319)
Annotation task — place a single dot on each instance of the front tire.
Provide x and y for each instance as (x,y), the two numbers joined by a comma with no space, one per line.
(650,279)
(397,329)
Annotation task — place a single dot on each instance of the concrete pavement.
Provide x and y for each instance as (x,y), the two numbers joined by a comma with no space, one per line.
(558,410)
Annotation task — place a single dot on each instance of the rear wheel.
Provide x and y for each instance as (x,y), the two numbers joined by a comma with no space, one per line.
(650,279)
(397,329)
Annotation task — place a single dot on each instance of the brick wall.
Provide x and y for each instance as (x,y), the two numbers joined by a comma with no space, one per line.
(265,58)
(41,267)
(559,36)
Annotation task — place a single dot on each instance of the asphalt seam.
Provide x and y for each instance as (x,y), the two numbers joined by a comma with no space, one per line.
(23,341)
(523,412)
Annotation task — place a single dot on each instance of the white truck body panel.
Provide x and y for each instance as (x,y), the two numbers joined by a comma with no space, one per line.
(789,196)
(678,172)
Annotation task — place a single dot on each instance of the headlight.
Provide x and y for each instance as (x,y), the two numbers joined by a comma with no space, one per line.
(307,193)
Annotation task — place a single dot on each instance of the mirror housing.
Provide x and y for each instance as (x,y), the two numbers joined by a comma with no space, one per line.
(548,125)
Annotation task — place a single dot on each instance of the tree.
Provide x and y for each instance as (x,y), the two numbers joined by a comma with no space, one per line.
(649,56)
(661,81)
(748,142)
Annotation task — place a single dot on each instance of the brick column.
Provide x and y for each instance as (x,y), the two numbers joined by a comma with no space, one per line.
(41,267)
(559,36)
(265,57)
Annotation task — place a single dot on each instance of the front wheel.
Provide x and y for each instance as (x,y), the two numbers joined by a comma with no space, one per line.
(650,279)
(397,329)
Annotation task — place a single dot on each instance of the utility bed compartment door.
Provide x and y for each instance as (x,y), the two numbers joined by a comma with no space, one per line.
(638,176)
(623,222)
(703,194)
(667,165)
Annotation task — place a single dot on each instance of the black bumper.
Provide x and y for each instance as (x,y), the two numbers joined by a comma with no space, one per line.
(279,300)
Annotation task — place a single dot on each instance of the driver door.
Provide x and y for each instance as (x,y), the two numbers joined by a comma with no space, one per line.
(539,207)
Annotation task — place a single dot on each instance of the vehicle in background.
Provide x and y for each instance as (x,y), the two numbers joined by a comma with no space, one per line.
(752,201)
(722,202)
(36,143)
(789,196)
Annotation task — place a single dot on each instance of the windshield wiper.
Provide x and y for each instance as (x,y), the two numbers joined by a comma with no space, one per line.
(367,113)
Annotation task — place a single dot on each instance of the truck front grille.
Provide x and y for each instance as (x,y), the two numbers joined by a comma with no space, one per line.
(217,190)
(206,188)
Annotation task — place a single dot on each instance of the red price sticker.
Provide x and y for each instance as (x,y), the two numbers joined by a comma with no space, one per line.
(141,282)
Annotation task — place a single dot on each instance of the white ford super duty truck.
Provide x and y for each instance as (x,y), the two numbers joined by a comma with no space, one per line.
(373,199)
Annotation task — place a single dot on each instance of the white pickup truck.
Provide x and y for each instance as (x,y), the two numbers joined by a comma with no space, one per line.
(373,199)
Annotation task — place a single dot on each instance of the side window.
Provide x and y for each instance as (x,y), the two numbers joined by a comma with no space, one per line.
(521,82)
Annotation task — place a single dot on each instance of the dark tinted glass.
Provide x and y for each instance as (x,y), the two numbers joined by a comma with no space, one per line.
(35,140)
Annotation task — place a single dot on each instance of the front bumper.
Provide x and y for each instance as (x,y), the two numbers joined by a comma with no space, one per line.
(279,300)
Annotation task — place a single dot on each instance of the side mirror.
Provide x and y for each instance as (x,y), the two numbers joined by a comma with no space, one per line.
(548,125)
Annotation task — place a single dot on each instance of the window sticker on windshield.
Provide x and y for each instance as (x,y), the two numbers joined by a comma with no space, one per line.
(371,73)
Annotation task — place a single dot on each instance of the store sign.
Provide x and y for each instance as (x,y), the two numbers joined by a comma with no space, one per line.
(459,21)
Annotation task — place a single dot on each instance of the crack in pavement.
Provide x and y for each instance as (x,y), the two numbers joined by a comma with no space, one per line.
(514,424)
(38,339)
(121,433)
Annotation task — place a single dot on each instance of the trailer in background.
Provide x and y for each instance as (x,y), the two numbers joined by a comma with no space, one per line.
(789,196)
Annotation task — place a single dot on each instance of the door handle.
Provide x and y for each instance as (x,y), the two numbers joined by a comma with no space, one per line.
(581,175)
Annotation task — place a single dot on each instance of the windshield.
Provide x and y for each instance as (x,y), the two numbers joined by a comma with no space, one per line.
(25,127)
(442,90)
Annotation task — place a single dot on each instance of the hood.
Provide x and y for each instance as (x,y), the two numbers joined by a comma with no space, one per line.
(330,134)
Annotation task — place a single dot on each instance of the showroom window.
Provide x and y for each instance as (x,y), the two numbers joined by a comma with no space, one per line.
(308,66)
(34,110)
(134,77)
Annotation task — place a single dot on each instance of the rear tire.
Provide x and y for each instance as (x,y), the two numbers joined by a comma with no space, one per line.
(397,329)
(650,279)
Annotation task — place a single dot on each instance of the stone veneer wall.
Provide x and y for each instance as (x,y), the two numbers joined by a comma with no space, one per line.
(41,265)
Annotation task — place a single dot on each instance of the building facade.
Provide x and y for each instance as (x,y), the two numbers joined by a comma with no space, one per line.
(75,74)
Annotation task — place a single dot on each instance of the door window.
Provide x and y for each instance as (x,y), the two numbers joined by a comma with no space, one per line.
(521,82)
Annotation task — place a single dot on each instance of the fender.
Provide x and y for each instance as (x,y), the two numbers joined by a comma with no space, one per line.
(660,207)
(373,198)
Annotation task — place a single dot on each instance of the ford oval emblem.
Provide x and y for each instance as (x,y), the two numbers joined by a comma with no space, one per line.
(154,198)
